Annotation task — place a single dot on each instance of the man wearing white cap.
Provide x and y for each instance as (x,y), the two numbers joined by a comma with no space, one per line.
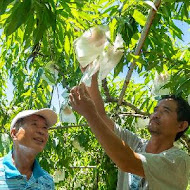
(19,169)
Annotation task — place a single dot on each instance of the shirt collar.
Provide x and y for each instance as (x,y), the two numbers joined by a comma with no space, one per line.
(11,171)
(37,170)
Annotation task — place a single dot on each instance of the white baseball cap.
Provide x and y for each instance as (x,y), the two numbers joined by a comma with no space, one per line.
(49,115)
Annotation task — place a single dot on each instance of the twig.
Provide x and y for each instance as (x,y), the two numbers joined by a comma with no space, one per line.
(84,167)
(35,52)
(106,90)
(139,47)
(68,126)
(132,114)
(138,111)
(109,98)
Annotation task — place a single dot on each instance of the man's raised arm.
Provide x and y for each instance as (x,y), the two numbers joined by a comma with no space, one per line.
(96,97)
(121,154)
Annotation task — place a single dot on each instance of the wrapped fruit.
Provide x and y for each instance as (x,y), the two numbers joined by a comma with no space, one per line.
(77,145)
(59,175)
(159,82)
(90,45)
(94,51)
(142,122)
(66,114)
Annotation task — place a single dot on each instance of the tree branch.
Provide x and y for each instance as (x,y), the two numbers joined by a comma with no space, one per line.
(34,53)
(109,98)
(132,114)
(84,167)
(139,47)
(106,90)
(138,111)
(68,126)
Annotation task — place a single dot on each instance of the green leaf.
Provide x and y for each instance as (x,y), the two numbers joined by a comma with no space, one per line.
(3,5)
(176,31)
(19,15)
(67,45)
(28,29)
(112,26)
(28,93)
(40,72)
(38,33)
(183,84)
(139,17)
(119,67)
(50,18)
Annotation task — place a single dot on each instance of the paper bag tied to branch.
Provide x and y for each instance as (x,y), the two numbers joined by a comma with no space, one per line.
(94,51)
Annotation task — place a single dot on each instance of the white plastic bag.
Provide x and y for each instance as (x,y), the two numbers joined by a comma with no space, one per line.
(158,83)
(90,70)
(142,122)
(89,46)
(77,145)
(93,49)
(59,175)
(110,57)
(66,114)
(51,73)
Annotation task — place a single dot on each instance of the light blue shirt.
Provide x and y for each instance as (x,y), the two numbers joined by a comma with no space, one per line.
(134,181)
(12,179)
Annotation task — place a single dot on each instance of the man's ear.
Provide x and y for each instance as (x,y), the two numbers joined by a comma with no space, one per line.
(13,133)
(183,126)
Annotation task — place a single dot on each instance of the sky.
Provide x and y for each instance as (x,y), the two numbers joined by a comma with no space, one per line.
(186,32)
(186,41)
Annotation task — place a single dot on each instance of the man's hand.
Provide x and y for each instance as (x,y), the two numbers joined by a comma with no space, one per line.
(81,101)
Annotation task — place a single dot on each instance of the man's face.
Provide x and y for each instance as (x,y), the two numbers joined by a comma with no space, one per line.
(164,119)
(33,133)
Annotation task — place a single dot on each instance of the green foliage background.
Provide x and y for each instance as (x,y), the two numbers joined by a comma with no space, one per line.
(39,33)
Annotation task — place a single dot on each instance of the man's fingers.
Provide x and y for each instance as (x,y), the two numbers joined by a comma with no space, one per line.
(71,100)
(74,96)
(82,90)
(74,89)
(78,94)
(83,69)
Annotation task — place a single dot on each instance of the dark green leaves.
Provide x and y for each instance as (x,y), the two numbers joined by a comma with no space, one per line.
(3,5)
(19,15)
(45,19)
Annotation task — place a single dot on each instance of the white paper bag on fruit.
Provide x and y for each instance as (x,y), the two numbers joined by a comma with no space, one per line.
(66,114)
(89,46)
(59,175)
(94,50)
(141,122)
(158,84)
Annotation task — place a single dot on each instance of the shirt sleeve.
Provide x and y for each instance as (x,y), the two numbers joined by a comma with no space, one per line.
(166,171)
(128,137)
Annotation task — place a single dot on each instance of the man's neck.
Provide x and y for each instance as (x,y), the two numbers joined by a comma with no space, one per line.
(157,145)
(23,159)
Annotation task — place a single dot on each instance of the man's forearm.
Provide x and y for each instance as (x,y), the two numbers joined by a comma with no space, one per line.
(97,98)
(95,94)
(120,153)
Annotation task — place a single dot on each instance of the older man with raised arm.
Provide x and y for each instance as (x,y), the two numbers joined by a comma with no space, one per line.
(19,169)
(155,164)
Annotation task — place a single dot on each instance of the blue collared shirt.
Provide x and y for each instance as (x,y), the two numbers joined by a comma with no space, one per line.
(12,179)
